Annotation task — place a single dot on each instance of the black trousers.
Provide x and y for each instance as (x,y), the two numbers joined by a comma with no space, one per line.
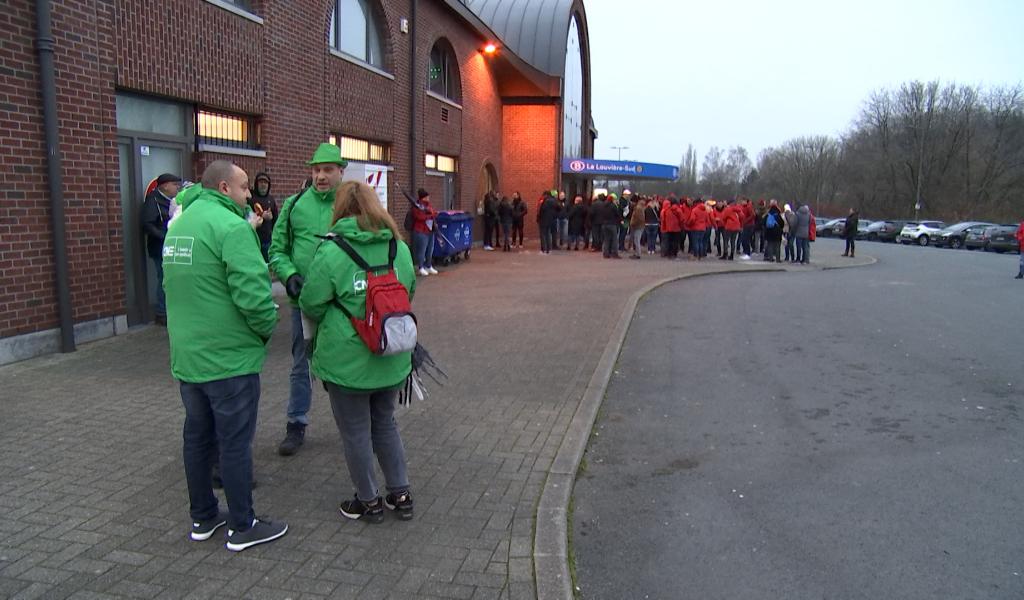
(851,246)
(490,228)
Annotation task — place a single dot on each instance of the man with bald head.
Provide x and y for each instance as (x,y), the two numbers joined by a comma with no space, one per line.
(220,315)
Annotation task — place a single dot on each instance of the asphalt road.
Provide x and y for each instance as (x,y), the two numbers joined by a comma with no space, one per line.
(852,433)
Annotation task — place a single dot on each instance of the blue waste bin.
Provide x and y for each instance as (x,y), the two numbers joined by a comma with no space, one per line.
(453,236)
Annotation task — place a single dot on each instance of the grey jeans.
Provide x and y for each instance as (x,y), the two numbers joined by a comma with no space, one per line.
(367,425)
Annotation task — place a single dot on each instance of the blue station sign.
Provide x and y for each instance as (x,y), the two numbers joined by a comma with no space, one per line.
(625,169)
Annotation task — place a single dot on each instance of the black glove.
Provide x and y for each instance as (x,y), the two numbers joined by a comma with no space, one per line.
(294,286)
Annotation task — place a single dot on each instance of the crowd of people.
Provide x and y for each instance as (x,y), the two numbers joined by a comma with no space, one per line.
(654,225)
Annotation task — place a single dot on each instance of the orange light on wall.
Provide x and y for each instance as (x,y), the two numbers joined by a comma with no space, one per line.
(490,49)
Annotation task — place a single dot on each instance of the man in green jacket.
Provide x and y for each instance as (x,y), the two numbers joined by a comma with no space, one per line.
(303,217)
(220,315)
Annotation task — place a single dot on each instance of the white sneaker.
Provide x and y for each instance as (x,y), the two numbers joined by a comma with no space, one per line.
(745,257)
(432,271)
(423,272)
(488,248)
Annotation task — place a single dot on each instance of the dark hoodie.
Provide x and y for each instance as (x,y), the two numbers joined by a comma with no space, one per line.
(268,204)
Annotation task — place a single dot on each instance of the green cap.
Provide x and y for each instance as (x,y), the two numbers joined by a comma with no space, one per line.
(554,192)
(328,153)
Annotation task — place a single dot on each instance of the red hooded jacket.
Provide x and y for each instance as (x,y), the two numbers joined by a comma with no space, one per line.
(698,220)
(670,222)
(732,218)
(423,216)
(748,215)
(1020,235)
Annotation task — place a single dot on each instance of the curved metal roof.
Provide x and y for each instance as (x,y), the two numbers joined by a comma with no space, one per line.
(535,30)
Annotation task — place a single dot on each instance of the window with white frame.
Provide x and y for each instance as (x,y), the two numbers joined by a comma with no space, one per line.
(357,149)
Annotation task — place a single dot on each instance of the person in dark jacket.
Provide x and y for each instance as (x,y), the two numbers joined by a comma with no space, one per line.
(505,217)
(490,220)
(774,224)
(610,217)
(577,221)
(562,221)
(156,212)
(264,205)
(850,232)
(652,222)
(519,210)
(546,222)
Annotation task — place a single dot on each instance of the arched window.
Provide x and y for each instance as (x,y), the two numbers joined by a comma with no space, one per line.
(354,31)
(572,97)
(443,75)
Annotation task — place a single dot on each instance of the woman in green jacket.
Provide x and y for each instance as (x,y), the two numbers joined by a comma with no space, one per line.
(363,386)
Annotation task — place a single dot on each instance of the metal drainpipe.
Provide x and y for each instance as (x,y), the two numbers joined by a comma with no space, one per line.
(412,99)
(44,46)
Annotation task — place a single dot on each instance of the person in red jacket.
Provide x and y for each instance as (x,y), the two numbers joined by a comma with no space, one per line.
(423,233)
(696,226)
(732,221)
(670,227)
(1020,250)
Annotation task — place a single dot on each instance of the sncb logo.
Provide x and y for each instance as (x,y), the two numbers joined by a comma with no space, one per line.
(577,165)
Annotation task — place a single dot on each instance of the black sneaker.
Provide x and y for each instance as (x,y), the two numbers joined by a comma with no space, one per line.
(203,530)
(401,504)
(259,533)
(294,437)
(361,511)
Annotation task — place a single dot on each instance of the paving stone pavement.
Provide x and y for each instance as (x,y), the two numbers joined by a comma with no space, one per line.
(92,494)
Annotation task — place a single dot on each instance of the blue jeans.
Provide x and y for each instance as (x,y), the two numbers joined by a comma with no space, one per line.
(563,231)
(546,235)
(161,301)
(220,414)
(790,247)
(803,250)
(746,238)
(697,243)
(423,246)
(652,237)
(366,422)
(301,393)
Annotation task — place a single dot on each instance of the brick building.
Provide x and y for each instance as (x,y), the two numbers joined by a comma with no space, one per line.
(143,87)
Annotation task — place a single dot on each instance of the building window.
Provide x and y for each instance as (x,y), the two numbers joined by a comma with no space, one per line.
(440,162)
(221,129)
(443,76)
(354,31)
(361,150)
(572,95)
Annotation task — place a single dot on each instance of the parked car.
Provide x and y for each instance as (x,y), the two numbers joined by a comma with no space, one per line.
(820,222)
(1002,238)
(920,233)
(954,235)
(884,231)
(976,237)
(862,228)
(832,228)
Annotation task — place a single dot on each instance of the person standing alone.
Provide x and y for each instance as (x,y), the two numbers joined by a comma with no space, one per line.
(850,232)
(156,212)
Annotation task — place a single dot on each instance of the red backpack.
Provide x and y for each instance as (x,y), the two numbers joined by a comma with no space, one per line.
(389,327)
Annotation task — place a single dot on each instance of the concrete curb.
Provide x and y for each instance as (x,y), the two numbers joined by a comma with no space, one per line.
(550,543)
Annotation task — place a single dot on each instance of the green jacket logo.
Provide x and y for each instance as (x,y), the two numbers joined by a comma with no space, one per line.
(178,250)
(359,283)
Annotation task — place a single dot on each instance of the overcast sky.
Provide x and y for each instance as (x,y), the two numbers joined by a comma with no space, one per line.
(756,73)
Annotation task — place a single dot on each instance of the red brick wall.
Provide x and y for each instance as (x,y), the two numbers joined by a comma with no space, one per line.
(530,150)
(84,58)
(282,72)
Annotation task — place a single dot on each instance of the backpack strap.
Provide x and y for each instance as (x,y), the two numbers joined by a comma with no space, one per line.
(344,245)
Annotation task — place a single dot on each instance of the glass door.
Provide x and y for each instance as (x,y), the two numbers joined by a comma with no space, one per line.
(141,162)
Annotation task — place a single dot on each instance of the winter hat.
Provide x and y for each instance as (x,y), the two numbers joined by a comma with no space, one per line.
(787,208)
(168,178)
(328,153)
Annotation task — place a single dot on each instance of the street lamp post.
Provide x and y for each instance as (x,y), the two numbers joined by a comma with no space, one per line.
(620,149)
